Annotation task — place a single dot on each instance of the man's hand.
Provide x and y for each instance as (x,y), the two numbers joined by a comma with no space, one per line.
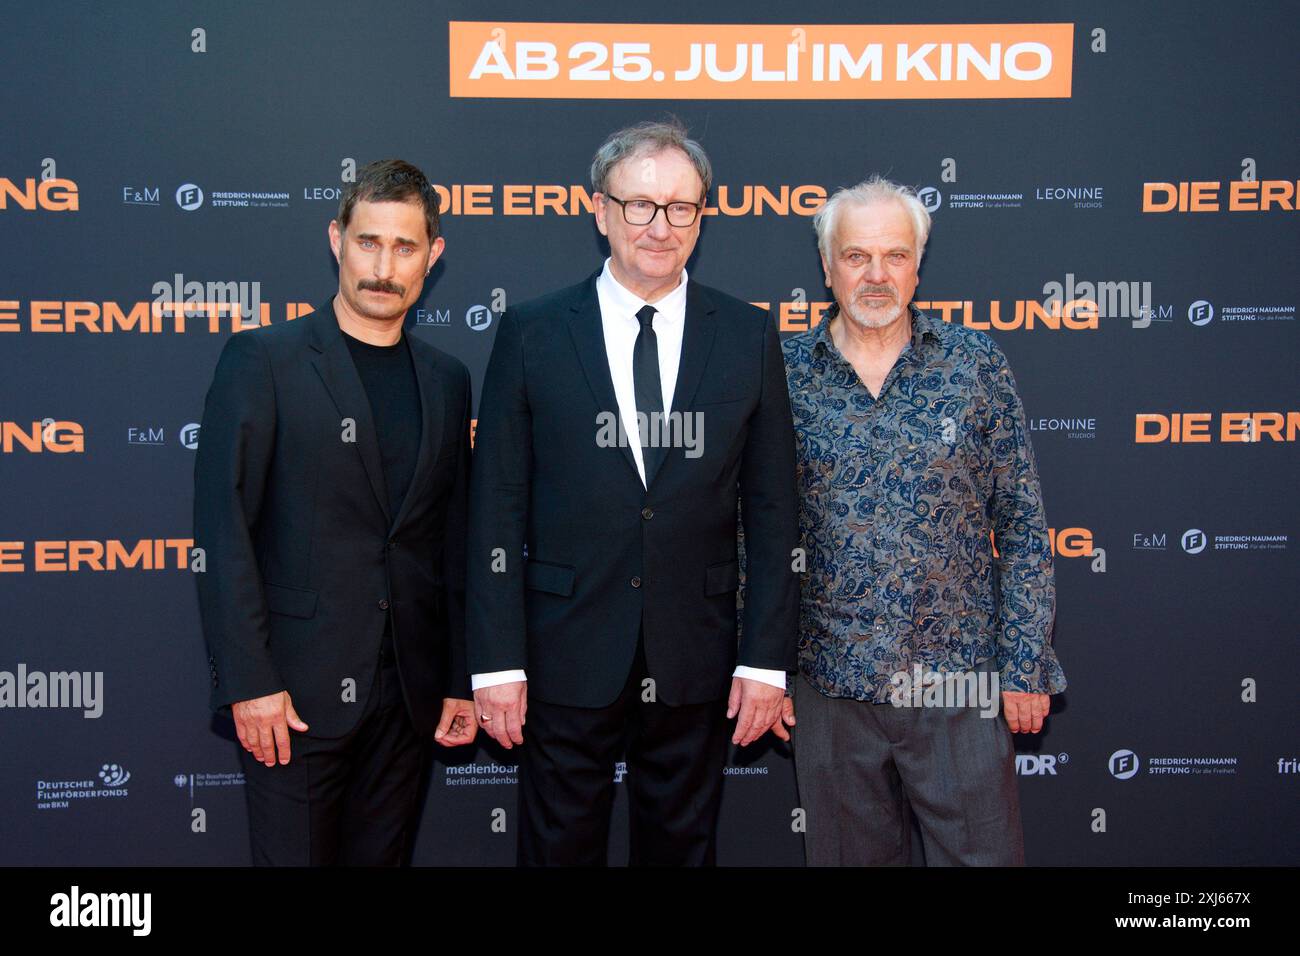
(760,707)
(262,725)
(785,720)
(457,725)
(501,709)
(1025,712)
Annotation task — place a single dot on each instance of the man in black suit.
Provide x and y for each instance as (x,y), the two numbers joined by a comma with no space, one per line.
(330,501)
(622,422)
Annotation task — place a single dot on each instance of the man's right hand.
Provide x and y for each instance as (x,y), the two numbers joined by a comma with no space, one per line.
(262,725)
(501,709)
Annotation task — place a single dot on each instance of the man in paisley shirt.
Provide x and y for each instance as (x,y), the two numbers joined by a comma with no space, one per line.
(927,557)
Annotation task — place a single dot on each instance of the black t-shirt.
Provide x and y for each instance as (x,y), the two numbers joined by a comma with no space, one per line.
(389,380)
(388,376)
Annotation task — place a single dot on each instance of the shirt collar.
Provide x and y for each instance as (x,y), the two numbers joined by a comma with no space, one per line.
(628,303)
(922,326)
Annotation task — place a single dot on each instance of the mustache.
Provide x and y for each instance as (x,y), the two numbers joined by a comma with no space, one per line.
(381,285)
(869,289)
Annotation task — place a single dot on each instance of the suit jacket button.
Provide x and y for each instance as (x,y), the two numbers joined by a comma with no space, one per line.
(636,582)
(383,604)
(647,513)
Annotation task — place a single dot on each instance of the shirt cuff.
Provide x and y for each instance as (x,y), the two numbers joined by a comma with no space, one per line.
(479,681)
(775,678)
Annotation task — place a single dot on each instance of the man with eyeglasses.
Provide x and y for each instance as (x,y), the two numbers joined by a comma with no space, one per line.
(624,424)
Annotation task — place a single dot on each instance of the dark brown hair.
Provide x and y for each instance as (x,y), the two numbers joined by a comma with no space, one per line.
(391,180)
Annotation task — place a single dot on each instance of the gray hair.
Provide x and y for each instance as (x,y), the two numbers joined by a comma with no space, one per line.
(647,139)
(876,189)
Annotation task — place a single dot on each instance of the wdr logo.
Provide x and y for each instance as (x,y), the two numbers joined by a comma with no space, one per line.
(1200,312)
(1039,765)
(1194,541)
(1123,764)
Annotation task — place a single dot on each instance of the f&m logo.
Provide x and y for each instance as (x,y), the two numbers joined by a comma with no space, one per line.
(54,195)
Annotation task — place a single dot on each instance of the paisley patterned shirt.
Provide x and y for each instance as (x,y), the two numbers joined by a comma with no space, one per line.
(902,497)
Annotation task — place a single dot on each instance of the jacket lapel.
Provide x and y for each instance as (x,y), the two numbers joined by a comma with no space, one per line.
(589,339)
(432,418)
(697,346)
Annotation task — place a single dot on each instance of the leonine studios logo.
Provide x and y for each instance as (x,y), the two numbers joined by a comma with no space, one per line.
(1077,426)
(1077,197)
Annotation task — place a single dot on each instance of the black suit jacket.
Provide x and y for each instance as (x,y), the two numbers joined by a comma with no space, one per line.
(605,554)
(304,562)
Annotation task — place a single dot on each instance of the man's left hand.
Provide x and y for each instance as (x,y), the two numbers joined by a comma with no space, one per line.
(457,725)
(758,705)
(1025,712)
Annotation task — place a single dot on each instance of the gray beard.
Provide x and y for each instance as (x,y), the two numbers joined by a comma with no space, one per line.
(872,318)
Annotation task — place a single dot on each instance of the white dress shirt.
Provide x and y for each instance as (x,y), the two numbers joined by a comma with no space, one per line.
(618,309)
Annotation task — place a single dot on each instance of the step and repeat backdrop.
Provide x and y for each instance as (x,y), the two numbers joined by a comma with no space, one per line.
(1113,189)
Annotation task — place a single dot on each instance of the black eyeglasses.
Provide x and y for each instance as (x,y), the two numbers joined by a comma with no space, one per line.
(642,212)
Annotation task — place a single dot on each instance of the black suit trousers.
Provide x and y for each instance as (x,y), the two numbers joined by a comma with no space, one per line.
(347,801)
(675,758)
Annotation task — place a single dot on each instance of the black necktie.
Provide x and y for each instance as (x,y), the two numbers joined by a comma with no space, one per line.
(649,391)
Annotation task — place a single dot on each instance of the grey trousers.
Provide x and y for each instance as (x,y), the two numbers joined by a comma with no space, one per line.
(869,774)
